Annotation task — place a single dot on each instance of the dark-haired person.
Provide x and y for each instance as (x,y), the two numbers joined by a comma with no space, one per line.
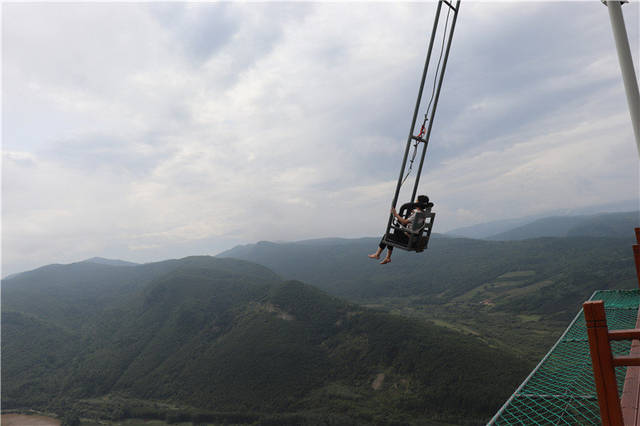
(422,200)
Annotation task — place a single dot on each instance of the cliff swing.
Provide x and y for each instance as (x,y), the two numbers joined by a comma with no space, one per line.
(414,236)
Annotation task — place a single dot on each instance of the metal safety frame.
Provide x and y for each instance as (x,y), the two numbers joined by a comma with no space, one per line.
(424,140)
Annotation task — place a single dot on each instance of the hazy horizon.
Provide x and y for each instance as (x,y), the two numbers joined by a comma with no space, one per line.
(622,207)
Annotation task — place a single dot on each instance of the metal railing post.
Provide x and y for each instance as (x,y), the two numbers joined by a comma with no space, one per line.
(602,362)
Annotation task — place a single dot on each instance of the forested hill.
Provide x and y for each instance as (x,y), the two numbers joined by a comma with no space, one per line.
(544,275)
(225,340)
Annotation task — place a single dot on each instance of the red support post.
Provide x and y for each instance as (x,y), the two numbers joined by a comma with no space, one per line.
(602,361)
(631,389)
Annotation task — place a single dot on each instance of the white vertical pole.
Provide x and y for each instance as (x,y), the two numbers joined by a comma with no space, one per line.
(626,65)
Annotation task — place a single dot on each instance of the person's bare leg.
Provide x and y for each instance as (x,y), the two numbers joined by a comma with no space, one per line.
(376,255)
(386,259)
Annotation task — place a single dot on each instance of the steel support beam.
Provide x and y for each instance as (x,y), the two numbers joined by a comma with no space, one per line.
(626,64)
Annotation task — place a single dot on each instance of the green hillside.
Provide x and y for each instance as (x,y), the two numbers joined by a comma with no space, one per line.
(549,275)
(515,295)
(224,340)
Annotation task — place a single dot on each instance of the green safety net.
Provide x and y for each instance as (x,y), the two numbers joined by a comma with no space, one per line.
(561,389)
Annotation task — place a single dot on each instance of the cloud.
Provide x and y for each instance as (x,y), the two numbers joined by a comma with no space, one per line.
(143,131)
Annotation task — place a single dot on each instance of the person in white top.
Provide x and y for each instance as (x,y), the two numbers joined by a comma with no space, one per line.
(422,200)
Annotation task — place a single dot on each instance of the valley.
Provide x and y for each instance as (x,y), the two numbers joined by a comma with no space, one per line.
(269,334)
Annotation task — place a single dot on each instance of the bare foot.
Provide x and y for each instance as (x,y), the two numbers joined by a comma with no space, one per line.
(374,256)
(385,261)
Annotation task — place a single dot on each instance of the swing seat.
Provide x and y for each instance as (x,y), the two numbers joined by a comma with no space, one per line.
(415,237)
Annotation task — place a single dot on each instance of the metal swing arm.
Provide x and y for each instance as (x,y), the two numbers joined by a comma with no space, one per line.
(411,136)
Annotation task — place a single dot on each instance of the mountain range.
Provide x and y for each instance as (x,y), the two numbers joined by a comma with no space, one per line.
(310,332)
(491,229)
(601,225)
(230,341)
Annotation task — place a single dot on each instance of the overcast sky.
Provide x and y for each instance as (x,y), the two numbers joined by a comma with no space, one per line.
(145,131)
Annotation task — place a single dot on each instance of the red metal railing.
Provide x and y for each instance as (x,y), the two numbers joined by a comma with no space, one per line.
(612,410)
(603,362)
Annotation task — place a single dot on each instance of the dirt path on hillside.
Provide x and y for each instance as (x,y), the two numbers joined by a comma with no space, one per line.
(24,420)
